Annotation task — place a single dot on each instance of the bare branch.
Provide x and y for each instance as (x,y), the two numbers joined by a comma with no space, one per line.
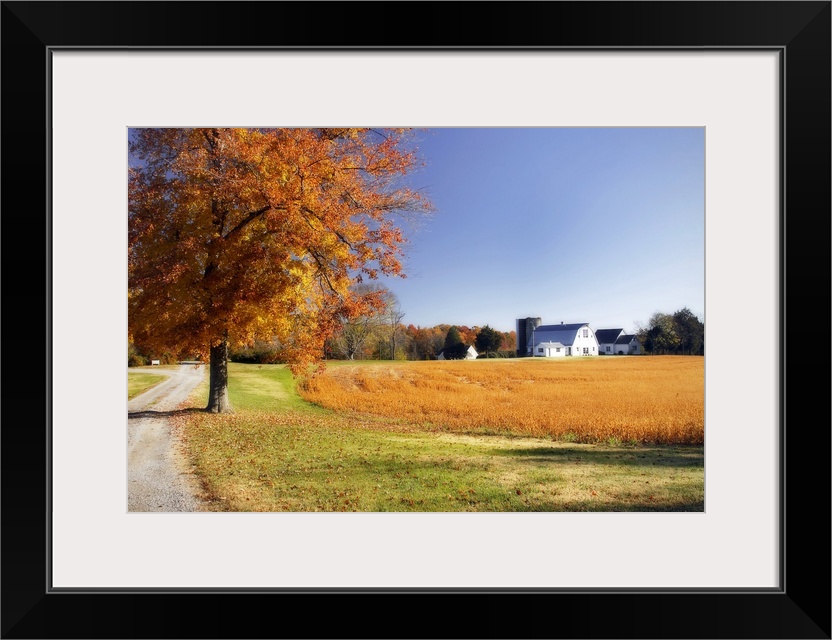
(322,271)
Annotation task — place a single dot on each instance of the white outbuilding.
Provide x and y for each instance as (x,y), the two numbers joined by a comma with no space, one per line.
(470,354)
(549,350)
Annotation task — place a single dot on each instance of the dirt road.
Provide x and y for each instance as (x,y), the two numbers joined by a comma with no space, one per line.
(158,478)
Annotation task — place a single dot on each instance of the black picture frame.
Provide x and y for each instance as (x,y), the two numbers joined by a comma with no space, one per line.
(800,608)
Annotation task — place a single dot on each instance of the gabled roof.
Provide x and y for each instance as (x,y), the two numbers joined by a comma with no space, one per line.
(608,335)
(549,344)
(470,349)
(563,333)
(561,327)
(627,338)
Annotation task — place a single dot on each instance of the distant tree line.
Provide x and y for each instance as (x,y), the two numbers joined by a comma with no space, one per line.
(380,335)
(420,343)
(377,334)
(679,333)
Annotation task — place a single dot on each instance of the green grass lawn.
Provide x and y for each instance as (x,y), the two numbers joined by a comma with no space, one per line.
(279,453)
(138,383)
(267,388)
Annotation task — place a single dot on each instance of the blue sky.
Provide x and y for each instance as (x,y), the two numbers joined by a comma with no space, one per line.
(597,225)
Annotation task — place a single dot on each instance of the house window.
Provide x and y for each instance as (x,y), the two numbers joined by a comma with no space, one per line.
(557,349)
(540,349)
(586,351)
(608,348)
(586,333)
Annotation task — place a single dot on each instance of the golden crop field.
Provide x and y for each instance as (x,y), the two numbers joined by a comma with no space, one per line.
(644,399)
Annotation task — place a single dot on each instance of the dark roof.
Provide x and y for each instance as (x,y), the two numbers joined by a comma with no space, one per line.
(467,346)
(561,327)
(627,338)
(607,335)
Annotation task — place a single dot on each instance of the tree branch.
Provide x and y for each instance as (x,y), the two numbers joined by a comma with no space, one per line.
(337,233)
(322,271)
(250,217)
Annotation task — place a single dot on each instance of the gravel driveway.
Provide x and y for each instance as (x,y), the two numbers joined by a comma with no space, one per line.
(158,477)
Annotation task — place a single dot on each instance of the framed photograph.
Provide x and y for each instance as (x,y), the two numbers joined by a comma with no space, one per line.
(754,77)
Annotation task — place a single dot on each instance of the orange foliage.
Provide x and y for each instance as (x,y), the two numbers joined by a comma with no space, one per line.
(260,233)
(468,334)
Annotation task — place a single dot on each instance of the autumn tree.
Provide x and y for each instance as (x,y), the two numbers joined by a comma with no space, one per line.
(691,332)
(452,338)
(454,348)
(679,333)
(659,336)
(134,358)
(416,338)
(354,332)
(392,315)
(488,340)
(425,343)
(238,234)
(467,334)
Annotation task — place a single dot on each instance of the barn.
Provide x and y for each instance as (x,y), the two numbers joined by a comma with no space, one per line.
(544,340)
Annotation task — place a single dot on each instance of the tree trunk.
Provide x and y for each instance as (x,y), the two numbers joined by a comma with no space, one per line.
(218,381)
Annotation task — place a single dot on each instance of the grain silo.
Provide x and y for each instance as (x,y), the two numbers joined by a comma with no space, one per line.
(525,332)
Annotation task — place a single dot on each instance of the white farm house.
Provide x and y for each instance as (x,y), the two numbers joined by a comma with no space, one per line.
(616,342)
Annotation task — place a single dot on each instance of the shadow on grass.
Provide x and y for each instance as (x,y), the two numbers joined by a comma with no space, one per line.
(679,456)
(163,414)
(639,506)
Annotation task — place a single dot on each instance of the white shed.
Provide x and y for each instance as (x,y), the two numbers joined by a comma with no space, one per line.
(549,350)
(470,354)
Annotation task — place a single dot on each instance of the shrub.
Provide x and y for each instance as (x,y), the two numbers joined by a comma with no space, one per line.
(261,352)
(135,360)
